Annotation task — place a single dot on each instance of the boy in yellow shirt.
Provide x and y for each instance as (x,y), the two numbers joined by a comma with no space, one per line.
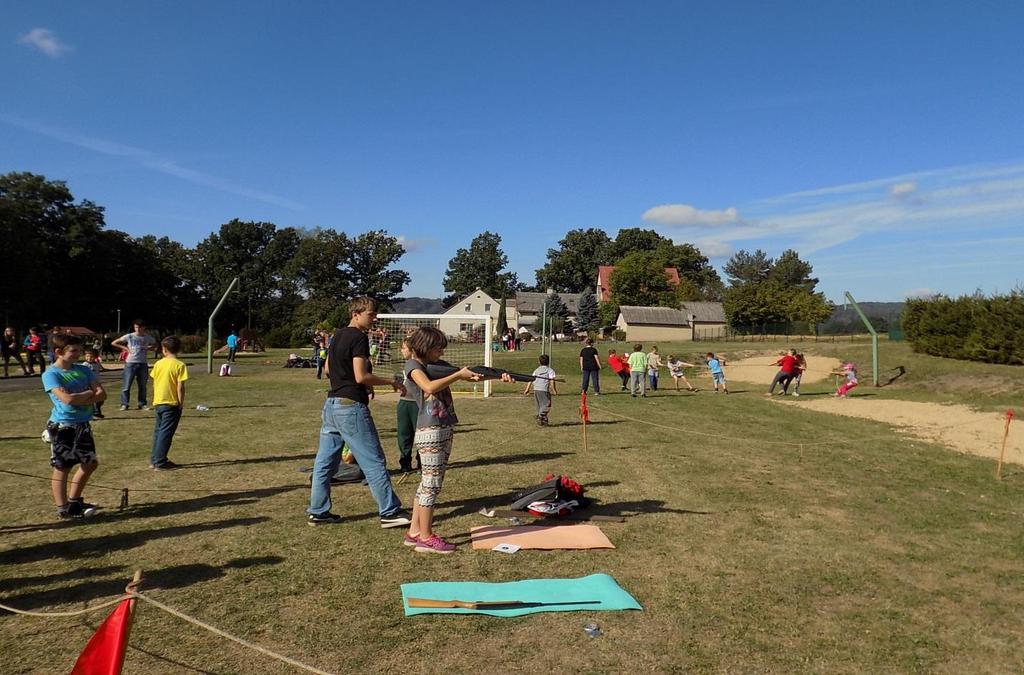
(168,375)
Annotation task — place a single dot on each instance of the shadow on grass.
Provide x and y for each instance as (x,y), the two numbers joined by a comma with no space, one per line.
(215,500)
(250,460)
(518,459)
(177,576)
(102,545)
(81,573)
(16,438)
(902,371)
(637,508)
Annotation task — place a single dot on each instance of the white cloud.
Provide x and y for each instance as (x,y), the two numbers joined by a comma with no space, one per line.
(150,160)
(682,215)
(46,41)
(920,293)
(715,249)
(903,190)
(411,245)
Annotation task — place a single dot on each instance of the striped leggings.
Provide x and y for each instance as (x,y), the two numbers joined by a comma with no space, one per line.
(434,446)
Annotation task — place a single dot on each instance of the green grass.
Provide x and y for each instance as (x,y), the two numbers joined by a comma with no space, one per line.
(837,556)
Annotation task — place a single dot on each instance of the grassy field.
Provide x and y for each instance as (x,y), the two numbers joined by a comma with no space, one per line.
(854,549)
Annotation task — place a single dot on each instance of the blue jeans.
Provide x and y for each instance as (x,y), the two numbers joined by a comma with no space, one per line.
(167,418)
(135,371)
(589,375)
(653,375)
(348,423)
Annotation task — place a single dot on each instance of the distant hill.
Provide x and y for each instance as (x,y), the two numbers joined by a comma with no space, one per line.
(882,316)
(419,306)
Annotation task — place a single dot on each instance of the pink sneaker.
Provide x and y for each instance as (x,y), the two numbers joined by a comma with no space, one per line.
(434,544)
(411,540)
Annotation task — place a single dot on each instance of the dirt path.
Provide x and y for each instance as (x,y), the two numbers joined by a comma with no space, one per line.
(955,426)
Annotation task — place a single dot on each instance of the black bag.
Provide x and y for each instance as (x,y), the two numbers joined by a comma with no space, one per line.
(549,490)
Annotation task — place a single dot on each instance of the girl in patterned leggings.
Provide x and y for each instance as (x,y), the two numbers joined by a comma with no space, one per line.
(433,439)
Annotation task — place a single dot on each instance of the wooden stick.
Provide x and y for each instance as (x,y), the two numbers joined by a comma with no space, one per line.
(427,603)
(1002,452)
(584,434)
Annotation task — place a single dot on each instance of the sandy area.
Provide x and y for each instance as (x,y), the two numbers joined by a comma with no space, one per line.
(955,426)
(759,369)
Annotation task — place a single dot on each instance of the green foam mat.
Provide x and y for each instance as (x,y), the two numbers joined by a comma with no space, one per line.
(597,592)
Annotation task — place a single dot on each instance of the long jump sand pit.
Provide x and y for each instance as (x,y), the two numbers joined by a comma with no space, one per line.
(955,426)
(760,369)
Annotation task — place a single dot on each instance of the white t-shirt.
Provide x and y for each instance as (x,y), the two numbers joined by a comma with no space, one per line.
(543,372)
(137,347)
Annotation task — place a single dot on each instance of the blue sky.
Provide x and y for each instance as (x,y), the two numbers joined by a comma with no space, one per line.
(884,141)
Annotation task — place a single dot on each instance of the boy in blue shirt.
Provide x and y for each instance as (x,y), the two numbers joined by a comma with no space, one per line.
(717,374)
(74,390)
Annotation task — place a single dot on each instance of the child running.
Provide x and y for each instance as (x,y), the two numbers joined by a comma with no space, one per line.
(715,365)
(543,388)
(675,369)
(74,390)
(92,362)
(169,375)
(433,440)
(850,371)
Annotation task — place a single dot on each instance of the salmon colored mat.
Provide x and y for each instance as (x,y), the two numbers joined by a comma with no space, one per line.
(486,537)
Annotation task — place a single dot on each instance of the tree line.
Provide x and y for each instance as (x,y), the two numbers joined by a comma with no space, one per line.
(64,266)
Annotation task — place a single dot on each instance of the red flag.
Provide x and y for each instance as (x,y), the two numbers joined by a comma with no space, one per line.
(104,655)
(584,413)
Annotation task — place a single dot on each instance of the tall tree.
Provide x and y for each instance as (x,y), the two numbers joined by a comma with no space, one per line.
(370,258)
(639,279)
(481,266)
(502,324)
(636,239)
(573,265)
(49,238)
(586,311)
(258,254)
(766,292)
(744,267)
(789,270)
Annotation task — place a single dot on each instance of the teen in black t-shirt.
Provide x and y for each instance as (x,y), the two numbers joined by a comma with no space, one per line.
(590,364)
(347,422)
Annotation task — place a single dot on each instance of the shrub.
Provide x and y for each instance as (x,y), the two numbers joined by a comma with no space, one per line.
(196,343)
(279,337)
(975,327)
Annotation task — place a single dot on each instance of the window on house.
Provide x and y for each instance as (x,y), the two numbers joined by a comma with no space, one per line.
(469,307)
(487,306)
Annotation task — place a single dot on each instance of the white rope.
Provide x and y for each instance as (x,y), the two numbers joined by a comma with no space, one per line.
(76,613)
(229,636)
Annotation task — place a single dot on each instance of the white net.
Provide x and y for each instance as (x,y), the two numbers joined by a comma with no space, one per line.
(469,343)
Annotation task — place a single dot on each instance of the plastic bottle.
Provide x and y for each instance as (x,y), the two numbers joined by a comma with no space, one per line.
(202,408)
(592,630)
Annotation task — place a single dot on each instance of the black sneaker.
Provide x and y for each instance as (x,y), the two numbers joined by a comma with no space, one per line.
(396,519)
(328,518)
(76,509)
(167,466)
(405,464)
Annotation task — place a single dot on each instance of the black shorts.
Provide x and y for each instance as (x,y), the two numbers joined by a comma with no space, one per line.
(71,444)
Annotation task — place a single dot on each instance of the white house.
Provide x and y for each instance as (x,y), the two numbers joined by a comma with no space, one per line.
(478,302)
